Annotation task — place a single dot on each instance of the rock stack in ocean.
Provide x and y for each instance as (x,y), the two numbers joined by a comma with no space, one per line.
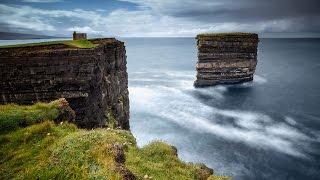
(226,58)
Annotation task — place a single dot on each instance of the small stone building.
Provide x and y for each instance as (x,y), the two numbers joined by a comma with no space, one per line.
(79,36)
(226,58)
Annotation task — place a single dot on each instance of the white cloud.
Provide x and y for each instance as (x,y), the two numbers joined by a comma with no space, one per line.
(20,18)
(148,20)
(85,29)
(42,1)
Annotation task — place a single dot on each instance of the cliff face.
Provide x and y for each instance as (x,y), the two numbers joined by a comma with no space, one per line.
(94,81)
(226,58)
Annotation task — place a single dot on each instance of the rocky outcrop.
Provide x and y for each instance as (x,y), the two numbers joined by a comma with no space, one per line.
(94,81)
(226,58)
(120,159)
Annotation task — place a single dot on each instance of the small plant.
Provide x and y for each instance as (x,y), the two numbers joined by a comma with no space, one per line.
(13,116)
(111,120)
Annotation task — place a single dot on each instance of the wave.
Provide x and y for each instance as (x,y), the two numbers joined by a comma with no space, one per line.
(255,129)
(175,103)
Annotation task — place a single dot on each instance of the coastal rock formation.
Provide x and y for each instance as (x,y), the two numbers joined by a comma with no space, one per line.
(93,80)
(226,58)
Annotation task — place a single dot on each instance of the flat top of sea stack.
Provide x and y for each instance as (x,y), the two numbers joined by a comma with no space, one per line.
(227,35)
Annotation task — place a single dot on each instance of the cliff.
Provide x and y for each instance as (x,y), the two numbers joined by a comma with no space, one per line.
(226,58)
(32,146)
(91,75)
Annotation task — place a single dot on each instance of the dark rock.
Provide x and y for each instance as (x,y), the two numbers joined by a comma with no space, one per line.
(93,81)
(119,156)
(175,150)
(226,58)
(125,172)
(203,171)
(66,113)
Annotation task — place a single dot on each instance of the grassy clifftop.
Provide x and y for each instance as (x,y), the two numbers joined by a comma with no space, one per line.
(40,147)
(227,35)
(85,44)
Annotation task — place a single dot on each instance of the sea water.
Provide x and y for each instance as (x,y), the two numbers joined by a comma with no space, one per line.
(266,129)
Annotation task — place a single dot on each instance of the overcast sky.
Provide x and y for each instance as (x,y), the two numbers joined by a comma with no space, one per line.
(159,17)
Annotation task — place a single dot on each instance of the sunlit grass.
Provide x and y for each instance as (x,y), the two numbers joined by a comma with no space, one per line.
(226,34)
(13,116)
(45,150)
(70,43)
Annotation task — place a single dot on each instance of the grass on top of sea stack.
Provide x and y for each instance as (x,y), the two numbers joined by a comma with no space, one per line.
(86,44)
(48,150)
(226,35)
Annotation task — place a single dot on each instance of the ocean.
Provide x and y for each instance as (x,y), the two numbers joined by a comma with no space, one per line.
(265,129)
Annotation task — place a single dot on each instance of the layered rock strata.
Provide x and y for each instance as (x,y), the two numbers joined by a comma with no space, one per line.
(226,58)
(94,81)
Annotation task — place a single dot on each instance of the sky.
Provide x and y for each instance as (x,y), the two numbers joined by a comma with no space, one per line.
(160,18)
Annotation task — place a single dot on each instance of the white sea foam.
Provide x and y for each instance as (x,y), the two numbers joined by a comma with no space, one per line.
(253,128)
(259,79)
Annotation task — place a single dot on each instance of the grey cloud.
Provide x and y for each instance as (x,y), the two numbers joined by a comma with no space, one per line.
(305,14)
(234,9)
(42,1)
(167,18)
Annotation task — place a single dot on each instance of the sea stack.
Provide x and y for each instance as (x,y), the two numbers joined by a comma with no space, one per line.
(226,58)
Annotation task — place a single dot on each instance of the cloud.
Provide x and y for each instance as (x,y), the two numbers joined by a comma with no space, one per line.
(85,29)
(42,1)
(287,15)
(166,18)
(14,17)
(209,10)
(26,18)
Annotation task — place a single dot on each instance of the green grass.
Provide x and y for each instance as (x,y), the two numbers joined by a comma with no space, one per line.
(159,161)
(225,34)
(46,150)
(13,116)
(111,123)
(71,43)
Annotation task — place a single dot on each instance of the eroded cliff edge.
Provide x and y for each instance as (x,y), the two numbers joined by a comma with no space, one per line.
(226,58)
(93,80)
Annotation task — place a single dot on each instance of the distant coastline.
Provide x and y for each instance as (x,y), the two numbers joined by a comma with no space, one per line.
(21,36)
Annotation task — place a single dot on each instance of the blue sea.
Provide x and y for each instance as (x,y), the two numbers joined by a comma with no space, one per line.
(266,129)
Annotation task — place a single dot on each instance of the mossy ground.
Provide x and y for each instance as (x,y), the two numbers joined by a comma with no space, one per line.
(226,34)
(45,150)
(13,116)
(72,43)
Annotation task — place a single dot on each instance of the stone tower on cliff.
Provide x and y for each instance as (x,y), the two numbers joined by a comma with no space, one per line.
(79,36)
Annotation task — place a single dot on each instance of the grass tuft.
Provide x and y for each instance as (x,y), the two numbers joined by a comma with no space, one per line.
(13,116)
